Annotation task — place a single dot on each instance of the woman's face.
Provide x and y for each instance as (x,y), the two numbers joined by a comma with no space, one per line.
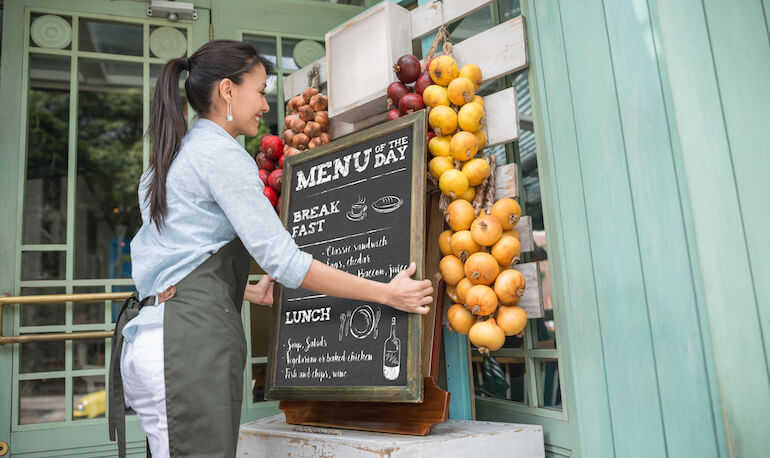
(249,102)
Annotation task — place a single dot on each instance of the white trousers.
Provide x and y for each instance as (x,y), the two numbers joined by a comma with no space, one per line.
(144,385)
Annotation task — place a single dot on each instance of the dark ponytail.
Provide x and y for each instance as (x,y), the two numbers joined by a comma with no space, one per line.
(214,61)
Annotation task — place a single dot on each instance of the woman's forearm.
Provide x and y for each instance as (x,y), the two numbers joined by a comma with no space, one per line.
(333,282)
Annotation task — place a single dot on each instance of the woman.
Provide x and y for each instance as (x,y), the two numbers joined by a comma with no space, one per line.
(179,352)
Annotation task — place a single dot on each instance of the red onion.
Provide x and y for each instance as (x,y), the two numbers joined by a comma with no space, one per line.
(407,68)
(410,103)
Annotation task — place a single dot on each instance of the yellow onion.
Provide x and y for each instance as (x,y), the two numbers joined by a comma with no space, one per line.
(460,215)
(476,170)
(487,335)
(451,269)
(511,319)
(460,318)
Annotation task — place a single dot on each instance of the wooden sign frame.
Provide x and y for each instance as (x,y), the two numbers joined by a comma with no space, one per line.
(413,390)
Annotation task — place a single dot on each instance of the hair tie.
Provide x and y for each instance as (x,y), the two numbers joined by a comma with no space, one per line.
(187,63)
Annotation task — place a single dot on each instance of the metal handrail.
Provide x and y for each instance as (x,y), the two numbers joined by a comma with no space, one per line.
(56,299)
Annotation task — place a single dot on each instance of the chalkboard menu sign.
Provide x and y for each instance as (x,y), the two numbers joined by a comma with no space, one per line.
(356,204)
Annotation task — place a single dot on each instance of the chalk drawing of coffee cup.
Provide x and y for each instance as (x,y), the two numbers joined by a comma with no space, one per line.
(357,210)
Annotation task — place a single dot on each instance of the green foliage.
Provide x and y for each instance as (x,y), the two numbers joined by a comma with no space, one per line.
(252,143)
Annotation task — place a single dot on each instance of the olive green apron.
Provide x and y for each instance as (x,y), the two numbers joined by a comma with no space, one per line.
(204,357)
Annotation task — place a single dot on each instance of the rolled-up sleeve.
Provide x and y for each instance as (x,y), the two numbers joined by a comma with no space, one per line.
(233,180)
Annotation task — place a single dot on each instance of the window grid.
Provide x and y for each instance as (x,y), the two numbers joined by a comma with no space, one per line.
(529,351)
(69,282)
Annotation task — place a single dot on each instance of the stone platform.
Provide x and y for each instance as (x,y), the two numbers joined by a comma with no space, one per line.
(272,437)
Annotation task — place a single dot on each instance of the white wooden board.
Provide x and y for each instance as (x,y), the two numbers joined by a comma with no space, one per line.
(359,56)
(525,234)
(500,110)
(429,17)
(532,300)
(498,51)
(506,181)
(271,437)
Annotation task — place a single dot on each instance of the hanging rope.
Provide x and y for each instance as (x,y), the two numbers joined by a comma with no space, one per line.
(442,36)
(314,77)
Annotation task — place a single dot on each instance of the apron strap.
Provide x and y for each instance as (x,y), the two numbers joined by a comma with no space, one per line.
(117,406)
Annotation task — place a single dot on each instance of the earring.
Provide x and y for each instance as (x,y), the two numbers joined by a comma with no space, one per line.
(229,112)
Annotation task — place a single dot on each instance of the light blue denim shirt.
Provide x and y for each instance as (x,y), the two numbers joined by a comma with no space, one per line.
(213,194)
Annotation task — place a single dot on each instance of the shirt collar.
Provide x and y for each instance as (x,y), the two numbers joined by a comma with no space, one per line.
(211,126)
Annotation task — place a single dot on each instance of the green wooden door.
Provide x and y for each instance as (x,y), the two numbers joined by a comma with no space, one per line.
(76,88)
(290,36)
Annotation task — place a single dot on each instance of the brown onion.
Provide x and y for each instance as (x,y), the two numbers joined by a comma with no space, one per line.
(308,93)
(306,113)
(295,103)
(318,102)
(300,141)
(314,142)
(287,136)
(325,138)
(312,129)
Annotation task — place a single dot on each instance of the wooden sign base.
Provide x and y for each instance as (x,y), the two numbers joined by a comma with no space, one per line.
(384,417)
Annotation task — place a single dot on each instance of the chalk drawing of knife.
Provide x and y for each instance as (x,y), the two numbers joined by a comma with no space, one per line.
(342,325)
(377,323)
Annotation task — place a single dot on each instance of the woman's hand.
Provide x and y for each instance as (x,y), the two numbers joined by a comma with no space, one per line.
(402,292)
(413,296)
(261,292)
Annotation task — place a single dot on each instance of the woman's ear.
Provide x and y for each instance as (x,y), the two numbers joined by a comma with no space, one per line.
(226,89)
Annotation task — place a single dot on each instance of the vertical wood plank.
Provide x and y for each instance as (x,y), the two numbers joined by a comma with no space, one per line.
(744,85)
(708,156)
(668,280)
(632,388)
(571,269)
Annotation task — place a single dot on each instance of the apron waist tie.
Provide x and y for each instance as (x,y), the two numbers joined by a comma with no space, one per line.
(117,405)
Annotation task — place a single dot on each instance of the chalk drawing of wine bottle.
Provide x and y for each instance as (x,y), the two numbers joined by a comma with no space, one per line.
(391,358)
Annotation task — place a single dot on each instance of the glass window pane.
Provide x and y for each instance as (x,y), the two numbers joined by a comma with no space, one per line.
(109,166)
(110,37)
(88,354)
(265,46)
(45,191)
(549,391)
(258,377)
(87,312)
(41,357)
(471,25)
(500,377)
(41,401)
(43,314)
(42,265)
(261,329)
(510,9)
(88,397)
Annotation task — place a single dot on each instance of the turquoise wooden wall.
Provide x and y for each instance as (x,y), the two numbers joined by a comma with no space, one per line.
(654,121)
(718,60)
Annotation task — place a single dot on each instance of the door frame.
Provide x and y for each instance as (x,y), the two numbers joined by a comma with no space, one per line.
(83,437)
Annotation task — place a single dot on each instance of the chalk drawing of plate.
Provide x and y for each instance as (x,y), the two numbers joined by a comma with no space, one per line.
(387,204)
(358,217)
(362,321)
